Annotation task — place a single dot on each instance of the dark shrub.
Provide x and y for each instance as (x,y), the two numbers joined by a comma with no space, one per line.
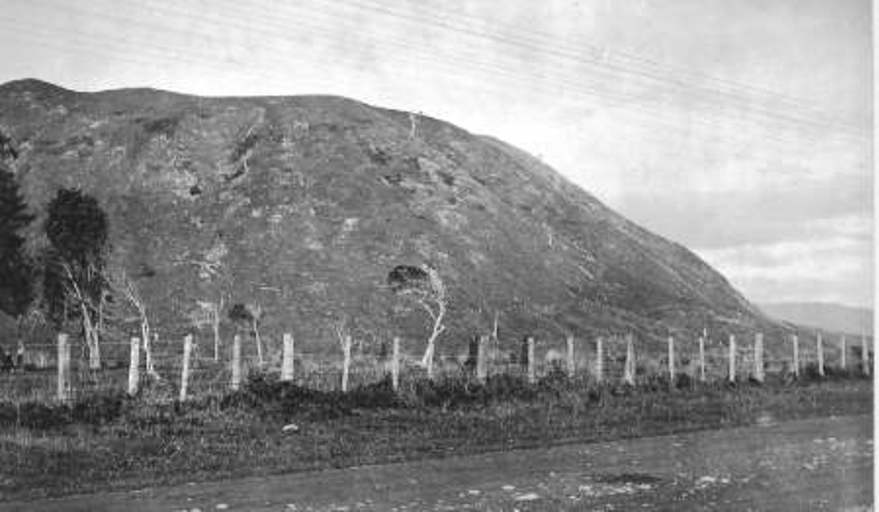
(684,381)
(98,409)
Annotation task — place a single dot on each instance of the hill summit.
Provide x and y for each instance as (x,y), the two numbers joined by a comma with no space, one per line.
(303,205)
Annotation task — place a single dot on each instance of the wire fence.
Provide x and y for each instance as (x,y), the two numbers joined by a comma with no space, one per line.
(33,374)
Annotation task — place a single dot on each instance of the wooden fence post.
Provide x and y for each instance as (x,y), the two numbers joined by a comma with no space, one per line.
(63,368)
(671,361)
(481,358)
(236,363)
(395,365)
(702,358)
(287,358)
(796,362)
(570,357)
(184,375)
(842,349)
(629,369)
(532,375)
(819,346)
(865,355)
(759,374)
(346,361)
(732,358)
(134,366)
(94,354)
(599,360)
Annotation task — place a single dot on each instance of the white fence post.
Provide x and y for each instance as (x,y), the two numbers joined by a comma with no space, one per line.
(796,363)
(842,350)
(671,361)
(63,367)
(732,358)
(184,375)
(481,358)
(759,374)
(570,357)
(134,366)
(287,358)
(395,365)
(629,369)
(236,363)
(819,346)
(346,362)
(599,360)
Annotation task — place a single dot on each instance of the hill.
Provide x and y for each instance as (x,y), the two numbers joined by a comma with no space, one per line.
(303,205)
(823,315)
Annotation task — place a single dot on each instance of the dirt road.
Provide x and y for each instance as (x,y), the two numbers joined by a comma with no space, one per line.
(816,464)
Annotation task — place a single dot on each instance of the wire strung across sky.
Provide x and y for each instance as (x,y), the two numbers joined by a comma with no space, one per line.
(743,95)
(325,23)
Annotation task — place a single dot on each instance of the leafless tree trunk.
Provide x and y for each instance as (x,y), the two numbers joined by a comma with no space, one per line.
(90,331)
(215,325)
(255,316)
(437,329)
(122,284)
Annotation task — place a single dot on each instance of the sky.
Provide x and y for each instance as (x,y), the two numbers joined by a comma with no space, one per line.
(742,129)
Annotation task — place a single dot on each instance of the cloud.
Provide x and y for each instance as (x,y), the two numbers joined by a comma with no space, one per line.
(820,208)
(835,269)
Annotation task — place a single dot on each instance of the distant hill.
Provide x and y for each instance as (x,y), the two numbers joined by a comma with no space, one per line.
(827,316)
(304,204)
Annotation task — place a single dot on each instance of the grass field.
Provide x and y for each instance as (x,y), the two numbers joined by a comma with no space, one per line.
(109,441)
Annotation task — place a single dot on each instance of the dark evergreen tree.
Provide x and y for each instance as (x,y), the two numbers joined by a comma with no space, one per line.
(77,229)
(16,276)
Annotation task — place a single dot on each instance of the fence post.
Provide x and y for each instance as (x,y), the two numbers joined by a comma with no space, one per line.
(236,363)
(63,368)
(865,355)
(570,357)
(759,374)
(532,376)
(629,369)
(287,358)
(842,349)
(134,366)
(796,341)
(346,362)
(184,375)
(481,358)
(819,345)
(599,360)
(702,358)
(395,365)
(732,358)
(671,361)
(94,353)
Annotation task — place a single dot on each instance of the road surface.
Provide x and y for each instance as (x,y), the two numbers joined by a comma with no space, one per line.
(815,464)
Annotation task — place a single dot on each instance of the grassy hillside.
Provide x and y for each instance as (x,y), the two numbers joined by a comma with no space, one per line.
(304,204)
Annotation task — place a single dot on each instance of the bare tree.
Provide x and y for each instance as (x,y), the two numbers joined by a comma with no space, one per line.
(88,313)
(425,287)
(255,311)
(121,284)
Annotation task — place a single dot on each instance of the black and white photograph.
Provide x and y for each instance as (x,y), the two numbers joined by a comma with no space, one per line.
(425,255)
